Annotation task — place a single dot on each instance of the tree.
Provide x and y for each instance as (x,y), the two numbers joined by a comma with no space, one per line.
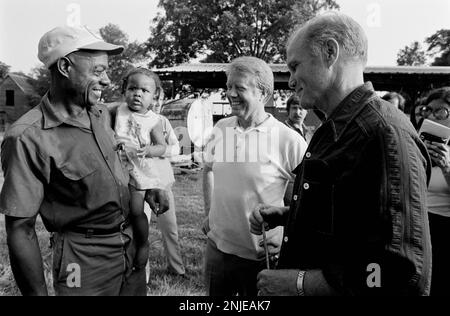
(40,79)
(412,55)
(133,53)
(439,44)
(221,30)
(4,70)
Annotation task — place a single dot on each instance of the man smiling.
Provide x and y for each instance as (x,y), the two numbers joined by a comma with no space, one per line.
(59,161)
(242,171)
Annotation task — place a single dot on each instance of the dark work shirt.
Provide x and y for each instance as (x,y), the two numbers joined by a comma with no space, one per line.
(68,173)
(359,203)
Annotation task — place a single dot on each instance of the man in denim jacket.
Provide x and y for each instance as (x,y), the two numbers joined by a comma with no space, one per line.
(357,223)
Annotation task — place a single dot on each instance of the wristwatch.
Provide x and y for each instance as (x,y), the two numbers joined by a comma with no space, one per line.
(300,277)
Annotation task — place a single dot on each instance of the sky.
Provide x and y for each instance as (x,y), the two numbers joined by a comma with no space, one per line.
(390,25)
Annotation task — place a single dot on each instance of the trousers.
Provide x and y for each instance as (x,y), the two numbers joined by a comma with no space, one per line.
(96,265)
(167,224)
(229,275)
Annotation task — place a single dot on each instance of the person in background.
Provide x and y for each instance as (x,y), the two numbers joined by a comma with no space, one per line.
(167,222)
(396,99)
(436,108)
(296,117)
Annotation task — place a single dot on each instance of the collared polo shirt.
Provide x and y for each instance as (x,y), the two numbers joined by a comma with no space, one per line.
(250,167)
(68,173)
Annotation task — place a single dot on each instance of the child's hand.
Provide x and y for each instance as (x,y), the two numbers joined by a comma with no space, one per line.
(144,151)
(131,153)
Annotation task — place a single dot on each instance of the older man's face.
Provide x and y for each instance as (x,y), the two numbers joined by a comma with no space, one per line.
(88,76)
(244,96)
(309,75)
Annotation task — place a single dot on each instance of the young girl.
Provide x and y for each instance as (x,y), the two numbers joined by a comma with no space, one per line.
(139,131)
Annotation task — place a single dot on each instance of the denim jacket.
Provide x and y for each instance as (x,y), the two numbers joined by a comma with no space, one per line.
(359,211)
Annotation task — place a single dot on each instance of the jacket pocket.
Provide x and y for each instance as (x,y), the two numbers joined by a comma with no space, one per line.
(318,191)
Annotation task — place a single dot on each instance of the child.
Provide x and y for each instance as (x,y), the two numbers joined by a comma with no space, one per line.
(139,131)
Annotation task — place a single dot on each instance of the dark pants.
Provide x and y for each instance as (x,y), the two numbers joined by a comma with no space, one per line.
(229,275)
(96,265)
(440,246)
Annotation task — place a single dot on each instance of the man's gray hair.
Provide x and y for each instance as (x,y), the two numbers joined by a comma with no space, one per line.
(257,68)
(334,25)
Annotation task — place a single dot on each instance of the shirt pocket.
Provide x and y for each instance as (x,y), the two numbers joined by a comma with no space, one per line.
(75,179)
(317,200)
(76,170)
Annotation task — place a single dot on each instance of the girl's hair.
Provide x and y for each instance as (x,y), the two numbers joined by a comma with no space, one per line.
(143,71)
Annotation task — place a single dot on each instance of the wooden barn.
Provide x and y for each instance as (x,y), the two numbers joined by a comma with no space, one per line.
(15,97)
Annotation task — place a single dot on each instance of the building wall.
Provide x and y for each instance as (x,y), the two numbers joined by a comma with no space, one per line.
(21,102)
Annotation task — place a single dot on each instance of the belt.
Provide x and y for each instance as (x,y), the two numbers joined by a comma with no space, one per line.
(89,232)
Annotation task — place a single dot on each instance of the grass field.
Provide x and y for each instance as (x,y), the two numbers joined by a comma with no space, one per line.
(189,202)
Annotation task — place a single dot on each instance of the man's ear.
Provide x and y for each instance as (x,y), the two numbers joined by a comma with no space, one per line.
(331,51)
(263,95)
(63,65)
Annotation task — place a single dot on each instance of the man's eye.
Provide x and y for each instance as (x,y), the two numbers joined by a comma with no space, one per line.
(99,71)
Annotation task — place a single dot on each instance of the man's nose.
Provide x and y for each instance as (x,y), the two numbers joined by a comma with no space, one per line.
(104,80)
(232,92)
(292,82)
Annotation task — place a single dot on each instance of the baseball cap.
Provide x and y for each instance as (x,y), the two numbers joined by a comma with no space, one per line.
(64,40)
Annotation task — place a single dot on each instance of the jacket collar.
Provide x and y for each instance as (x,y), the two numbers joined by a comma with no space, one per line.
(349,108)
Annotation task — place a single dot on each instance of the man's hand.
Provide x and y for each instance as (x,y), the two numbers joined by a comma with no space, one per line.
(440,155)
(271,216)
(158,200)
(273,246)
(277,283)
(205,226)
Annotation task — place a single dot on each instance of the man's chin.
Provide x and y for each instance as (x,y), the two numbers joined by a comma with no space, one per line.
(308,104)
(236,112)
(92,102)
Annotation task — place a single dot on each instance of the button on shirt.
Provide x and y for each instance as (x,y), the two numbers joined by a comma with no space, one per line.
(360,199)
(68,173)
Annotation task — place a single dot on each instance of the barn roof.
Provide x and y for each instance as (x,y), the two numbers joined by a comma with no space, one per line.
(282,68)
(23,83)
(410,79)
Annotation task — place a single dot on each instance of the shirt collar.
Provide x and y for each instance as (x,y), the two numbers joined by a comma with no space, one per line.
(262,127)
(300,130)
(349,108)
(53,117)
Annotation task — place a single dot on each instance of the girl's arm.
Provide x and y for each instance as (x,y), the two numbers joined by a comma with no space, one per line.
(159,144)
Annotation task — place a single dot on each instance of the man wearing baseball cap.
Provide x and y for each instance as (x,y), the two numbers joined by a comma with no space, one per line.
(60,161)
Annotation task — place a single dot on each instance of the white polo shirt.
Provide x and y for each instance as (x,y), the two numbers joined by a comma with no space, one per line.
(250,167)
